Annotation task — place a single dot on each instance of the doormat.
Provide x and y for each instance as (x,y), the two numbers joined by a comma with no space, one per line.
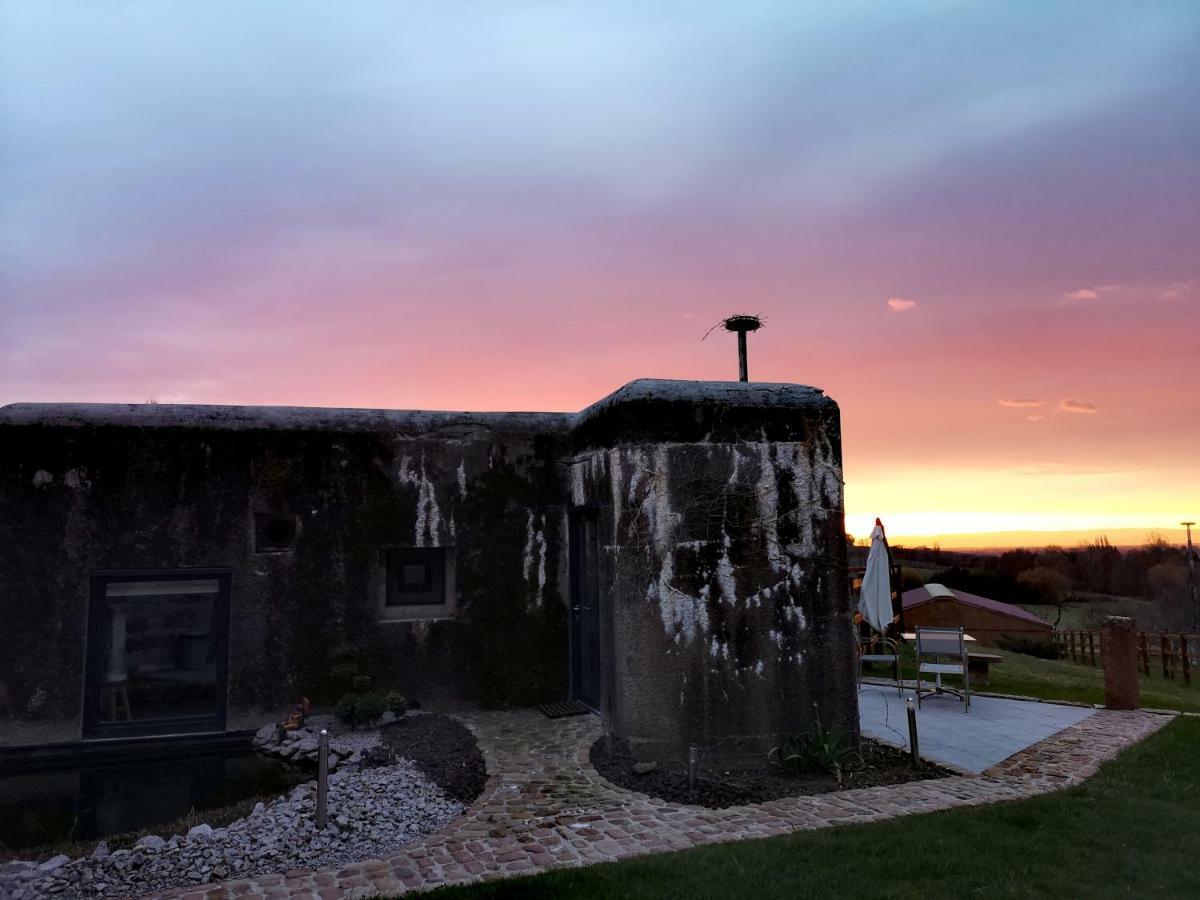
(562,708)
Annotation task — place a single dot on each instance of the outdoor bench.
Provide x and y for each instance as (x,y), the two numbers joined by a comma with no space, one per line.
(978,665)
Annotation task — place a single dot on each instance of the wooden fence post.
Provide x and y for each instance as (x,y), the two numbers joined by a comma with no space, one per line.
(1143,652)
(1163,646)
(1092,646)
(1185,660)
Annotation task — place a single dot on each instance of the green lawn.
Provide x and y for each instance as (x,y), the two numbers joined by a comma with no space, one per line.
(1067,681)
(1062,679)
(1127,832)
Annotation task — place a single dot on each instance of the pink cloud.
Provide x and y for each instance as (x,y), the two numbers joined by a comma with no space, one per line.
(1021,403)
(1034,418)
(1082,294)
(1177,290)
(899,304)
(1076,406)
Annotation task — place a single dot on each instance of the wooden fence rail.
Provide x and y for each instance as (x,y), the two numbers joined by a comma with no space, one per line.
(1177,653)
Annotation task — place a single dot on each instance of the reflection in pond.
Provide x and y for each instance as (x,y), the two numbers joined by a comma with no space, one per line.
(88,802)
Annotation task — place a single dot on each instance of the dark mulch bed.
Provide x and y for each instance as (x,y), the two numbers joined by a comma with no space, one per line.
(443,749)
(882,765)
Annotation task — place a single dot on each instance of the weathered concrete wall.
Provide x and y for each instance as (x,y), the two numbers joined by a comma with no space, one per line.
(725,620)
(84,490)
(724,566)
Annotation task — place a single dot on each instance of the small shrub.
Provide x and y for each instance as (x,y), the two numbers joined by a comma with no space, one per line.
(820,750)
(347,710)
(396,703)
(369,708)
(1030,647)
(343,670)
(362,683)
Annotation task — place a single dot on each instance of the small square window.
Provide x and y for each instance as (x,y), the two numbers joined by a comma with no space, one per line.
(416,576)
(274,533)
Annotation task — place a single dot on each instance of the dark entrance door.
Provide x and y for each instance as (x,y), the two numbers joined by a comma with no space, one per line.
(585,607)
(156,653)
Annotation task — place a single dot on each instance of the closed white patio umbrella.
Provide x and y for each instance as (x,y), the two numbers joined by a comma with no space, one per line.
(875,598)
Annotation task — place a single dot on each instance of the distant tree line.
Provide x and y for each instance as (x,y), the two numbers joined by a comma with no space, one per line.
(1156,571)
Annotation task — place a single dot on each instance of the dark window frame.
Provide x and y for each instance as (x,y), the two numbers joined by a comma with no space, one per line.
(91,726)
(262,524)
(432,593)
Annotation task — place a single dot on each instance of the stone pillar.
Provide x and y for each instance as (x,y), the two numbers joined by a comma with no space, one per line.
(1122,689)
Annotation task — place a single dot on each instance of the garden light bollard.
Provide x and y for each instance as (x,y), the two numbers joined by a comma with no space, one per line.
(693,765)
(322,777)
(913,749)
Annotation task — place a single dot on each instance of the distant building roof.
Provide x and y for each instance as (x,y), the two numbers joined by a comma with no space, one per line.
(930,592)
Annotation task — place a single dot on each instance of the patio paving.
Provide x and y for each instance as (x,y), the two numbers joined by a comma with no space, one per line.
(990,733)
(545,807)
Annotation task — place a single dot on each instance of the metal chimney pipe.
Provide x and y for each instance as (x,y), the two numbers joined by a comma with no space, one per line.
(740,324)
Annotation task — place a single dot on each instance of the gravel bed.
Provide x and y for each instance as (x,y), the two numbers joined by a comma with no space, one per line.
(881,765)
(371,811)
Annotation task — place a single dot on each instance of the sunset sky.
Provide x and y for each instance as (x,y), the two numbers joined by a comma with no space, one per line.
(976,226)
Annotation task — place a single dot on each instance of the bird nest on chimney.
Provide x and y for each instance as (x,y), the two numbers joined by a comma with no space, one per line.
(743,322)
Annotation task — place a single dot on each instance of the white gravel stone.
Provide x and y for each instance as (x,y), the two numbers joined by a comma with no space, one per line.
(372,812)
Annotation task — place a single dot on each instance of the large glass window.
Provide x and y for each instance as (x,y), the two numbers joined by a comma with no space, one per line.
(157,653)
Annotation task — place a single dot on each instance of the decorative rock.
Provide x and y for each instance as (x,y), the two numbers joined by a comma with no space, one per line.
(307,745)
(101,850)
(54,862)
(266,734)
(199,831)
(644,768)
(149,842)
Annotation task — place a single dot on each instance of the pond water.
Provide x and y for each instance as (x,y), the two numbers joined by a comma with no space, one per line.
(90,801)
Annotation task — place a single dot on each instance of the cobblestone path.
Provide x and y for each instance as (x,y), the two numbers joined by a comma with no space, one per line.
(545,807)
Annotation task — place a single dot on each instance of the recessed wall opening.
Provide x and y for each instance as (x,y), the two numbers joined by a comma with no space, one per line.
(157,653)
(419,583)
(274,532)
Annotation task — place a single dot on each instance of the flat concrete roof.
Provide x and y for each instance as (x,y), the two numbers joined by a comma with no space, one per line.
(312,418)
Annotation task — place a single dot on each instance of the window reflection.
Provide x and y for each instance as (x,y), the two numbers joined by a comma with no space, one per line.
(160,653)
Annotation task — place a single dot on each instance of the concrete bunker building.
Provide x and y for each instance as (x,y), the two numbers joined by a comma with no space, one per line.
(672,556)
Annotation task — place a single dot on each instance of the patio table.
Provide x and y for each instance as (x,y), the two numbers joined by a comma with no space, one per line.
(912,636)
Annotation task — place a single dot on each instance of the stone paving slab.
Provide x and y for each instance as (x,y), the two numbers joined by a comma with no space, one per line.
(546,807)
(991,732)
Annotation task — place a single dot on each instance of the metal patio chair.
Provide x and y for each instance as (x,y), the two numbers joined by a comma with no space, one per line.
(892,656)
(943,651)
